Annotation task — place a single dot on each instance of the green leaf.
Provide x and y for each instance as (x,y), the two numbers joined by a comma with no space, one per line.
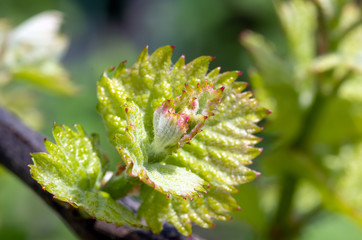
(178,117)
(326,62)
(174,180)
(33,50)
(220,152)
(50,76)
(72,172)
(272,67)
(179,129)
(347,194)
(300,15)
(351,89)
(157,207)
(274,81)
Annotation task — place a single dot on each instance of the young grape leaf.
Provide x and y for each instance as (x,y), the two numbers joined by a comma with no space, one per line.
(179,129)
(155,114)
(72,171)
(157,207)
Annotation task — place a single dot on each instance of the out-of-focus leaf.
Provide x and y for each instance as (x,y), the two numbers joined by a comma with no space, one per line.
(273,68)
(50,76)
(299,20)
(328,135)
(273,82)
(253,212)
(32,52)
(5,76)
(326,62)
(351,89)
(350,47)
(350,15)
(36,39)
(348,192)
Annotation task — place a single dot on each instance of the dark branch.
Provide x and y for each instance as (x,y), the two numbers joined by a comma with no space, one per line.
(17,142)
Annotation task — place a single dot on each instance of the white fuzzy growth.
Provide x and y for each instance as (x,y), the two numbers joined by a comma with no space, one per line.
(167,132)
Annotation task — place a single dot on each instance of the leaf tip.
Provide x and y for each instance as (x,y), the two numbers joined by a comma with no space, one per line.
(111,69)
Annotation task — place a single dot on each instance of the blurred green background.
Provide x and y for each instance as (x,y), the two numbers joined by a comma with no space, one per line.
(105,32)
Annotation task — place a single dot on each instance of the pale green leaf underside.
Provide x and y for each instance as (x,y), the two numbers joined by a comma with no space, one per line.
(72,172)
(157,207)
(214,155)
(174,180)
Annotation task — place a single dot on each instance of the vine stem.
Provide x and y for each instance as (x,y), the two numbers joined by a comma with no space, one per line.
(281,228)
(283,225)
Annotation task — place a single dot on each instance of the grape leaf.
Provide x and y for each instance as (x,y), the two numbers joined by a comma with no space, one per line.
(180,129)
(155,114)
(157,207)
(72,172)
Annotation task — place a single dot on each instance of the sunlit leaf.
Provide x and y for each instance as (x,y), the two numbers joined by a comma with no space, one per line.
(180,129)
(156,207)
(72,171)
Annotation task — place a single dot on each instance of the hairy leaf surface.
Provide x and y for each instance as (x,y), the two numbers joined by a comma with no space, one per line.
(183,131)
(180,115)
(72,172)
(157,207)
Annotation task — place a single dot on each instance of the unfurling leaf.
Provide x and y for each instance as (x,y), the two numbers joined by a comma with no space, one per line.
(179,129)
